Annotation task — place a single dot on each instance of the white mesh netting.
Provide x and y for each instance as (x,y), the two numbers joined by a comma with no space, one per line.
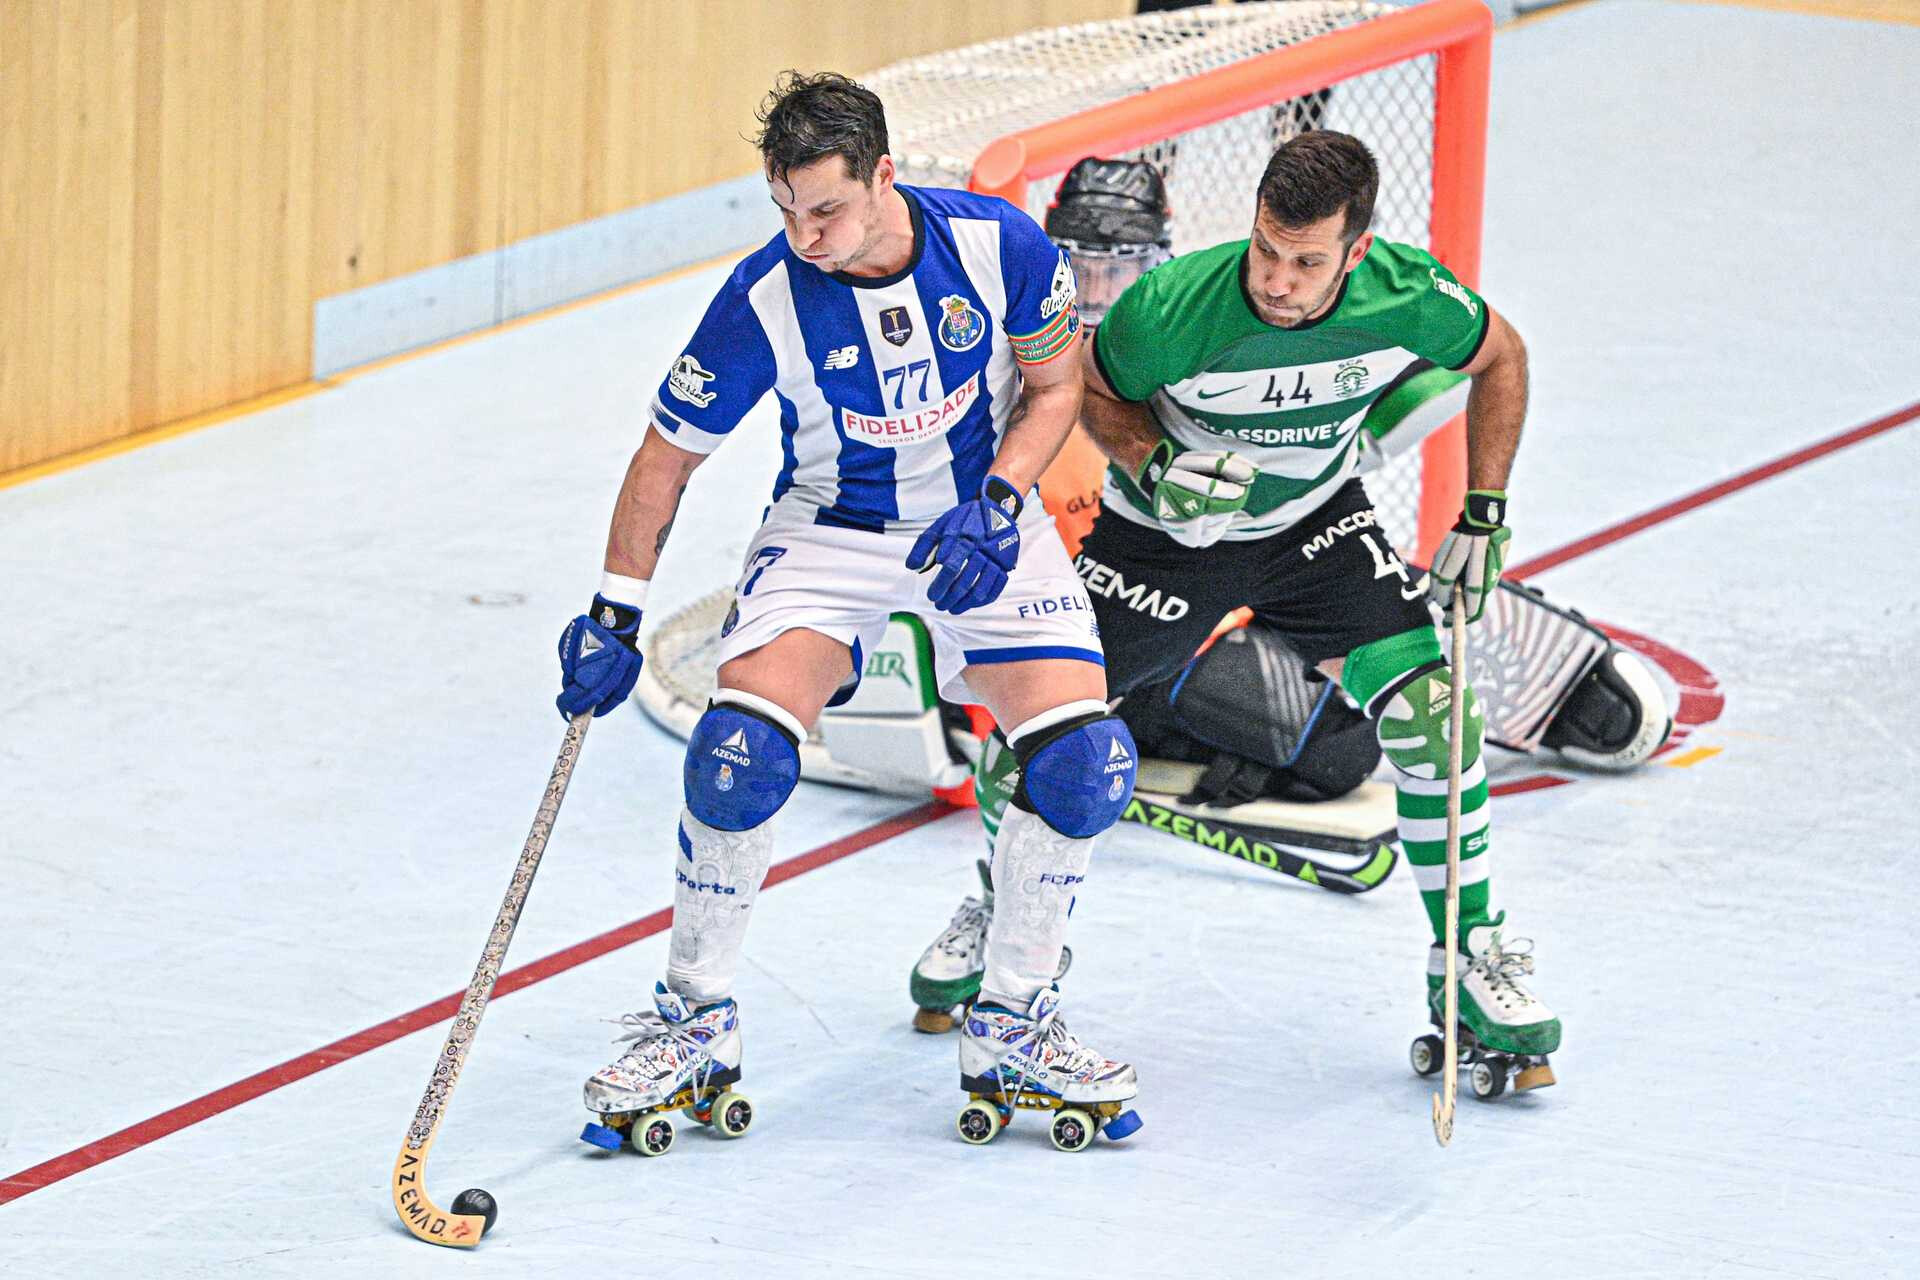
(944,109)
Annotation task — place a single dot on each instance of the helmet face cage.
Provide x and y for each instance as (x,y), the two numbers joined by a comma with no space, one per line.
(1103,272)
(1112,218)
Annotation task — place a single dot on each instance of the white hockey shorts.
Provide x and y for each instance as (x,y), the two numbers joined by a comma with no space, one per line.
(844,583)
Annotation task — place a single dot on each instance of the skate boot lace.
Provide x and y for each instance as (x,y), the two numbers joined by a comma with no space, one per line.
(963,932)
(661,1047)
(1048,1030)
(1505,964)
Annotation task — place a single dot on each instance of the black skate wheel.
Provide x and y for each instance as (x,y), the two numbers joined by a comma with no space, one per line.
(1489,1077)
(978,1123)
(474,1200)
(1072,1129)
(1428,1054)
(653,1137)
(731,1115)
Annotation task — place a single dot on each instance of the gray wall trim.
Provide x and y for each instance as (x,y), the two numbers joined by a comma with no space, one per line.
(542,271)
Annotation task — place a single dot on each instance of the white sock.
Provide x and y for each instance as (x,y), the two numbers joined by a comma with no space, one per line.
(1036,871)
(714,887)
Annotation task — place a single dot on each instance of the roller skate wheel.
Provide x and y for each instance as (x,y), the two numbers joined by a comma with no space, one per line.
(1072,1129)
(1489,1077)
(934,1022)
(653,1137)
(1123,1125)
(1537,1076)
(732,1115)
(602,1136)
(978,1123)
(1428,1054)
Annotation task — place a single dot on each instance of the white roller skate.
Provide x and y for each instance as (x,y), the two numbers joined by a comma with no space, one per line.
(946,979)
(1030,1060)
(1506,1032)
(682,1059)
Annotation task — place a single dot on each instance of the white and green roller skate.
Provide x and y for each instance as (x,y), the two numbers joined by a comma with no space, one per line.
(946,979)
(682,1059)
(1029,1061)
(1506,1032)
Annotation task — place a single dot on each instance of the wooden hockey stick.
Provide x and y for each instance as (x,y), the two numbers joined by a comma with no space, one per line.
(1443,1101)
(410,1200)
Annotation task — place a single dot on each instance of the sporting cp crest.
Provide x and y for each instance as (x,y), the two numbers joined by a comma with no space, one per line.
(960,325)
(896,326)
(1350,379)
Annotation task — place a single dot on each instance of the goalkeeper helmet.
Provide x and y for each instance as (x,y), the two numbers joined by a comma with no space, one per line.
(1112,218)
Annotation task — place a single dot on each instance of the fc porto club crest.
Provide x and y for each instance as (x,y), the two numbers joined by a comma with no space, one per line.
(960,325)
(724,780)
(896,326)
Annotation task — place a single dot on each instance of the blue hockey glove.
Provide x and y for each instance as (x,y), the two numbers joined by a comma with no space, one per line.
(975,546)
(599,658)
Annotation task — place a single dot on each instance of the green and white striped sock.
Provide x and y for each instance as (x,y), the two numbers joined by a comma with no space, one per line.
(1422,807)
(994,780)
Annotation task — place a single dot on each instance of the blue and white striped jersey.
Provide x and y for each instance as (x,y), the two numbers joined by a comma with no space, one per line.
(893,391)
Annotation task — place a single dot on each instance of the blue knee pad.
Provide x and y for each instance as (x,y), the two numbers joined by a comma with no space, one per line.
(1077,775)
(740,769)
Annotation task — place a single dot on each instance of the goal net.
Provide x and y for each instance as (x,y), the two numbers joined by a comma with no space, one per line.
(1205,95)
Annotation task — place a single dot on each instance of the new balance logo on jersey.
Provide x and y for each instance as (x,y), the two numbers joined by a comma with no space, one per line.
(735,749)
(843,357)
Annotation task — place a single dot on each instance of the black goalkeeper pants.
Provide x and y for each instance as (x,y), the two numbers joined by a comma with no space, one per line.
(1328,585)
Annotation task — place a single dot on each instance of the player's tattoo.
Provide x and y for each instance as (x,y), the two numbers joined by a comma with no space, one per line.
(660,539)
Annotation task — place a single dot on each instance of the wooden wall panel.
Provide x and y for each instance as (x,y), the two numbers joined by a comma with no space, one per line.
(180,180)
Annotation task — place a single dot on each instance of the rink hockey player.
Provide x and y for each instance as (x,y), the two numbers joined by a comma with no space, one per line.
(1227,389)
(921,345)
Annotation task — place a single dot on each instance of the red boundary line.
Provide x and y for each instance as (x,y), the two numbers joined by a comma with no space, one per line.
(202,1108)
(294,1069)
(1700,497)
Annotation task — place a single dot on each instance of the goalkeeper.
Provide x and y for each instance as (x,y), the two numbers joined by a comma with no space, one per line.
(1226,390)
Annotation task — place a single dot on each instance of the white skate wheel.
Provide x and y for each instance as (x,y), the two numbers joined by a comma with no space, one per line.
(1428,1054)
(732,1115)
(1072,1129)
(978,1123)
(653,1136)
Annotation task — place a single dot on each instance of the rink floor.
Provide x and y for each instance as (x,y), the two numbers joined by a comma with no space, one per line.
(277,713)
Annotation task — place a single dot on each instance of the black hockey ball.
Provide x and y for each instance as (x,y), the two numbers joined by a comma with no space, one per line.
(474,1200)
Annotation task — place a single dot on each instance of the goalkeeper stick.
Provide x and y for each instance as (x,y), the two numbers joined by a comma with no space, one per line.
(410,1200)
(1456,722)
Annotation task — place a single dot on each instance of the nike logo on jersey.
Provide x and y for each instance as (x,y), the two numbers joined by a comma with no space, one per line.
(1215,395)
(843,357)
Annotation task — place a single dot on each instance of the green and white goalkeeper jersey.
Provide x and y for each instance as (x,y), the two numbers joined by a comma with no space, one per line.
(1184,339)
